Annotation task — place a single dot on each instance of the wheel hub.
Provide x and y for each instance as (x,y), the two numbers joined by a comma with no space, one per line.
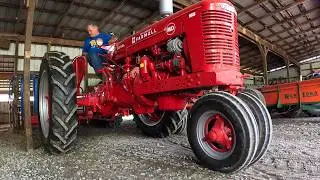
(218,134)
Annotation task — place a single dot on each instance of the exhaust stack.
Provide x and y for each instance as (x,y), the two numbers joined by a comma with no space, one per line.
(166,7)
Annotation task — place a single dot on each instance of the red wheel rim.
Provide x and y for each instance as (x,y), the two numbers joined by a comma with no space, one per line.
(219,133)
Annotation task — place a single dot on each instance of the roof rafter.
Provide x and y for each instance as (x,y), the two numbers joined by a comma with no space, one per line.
(289,19)
(274,12)
(111,14)
(297,34)
(295,26)
(98,8)
(246,33)
(62,16)
(251,6)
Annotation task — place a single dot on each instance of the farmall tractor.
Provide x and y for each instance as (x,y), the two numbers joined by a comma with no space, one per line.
(180,72)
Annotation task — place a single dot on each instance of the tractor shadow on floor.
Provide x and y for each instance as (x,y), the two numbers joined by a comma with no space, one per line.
(101,128)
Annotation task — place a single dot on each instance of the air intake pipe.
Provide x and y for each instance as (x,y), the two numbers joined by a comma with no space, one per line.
(166,7)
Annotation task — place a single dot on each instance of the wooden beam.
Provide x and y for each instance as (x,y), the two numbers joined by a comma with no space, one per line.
(288,70)
(249,72)
(16,56)
(264,51)
(26,74)
(6,75)
(43,40)
(23,21)
(246,33)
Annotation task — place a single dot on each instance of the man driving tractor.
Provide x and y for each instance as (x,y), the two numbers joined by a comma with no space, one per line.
(94,47)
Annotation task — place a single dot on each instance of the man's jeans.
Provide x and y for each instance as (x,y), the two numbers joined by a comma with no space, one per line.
(95,61)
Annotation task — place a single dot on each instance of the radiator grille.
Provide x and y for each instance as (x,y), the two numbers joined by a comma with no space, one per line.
(220,42)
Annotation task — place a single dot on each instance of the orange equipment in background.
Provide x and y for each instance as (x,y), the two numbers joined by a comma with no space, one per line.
(304,95)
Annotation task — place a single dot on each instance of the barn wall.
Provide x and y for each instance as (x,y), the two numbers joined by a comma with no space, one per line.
(283,74)
(37,52)
(307,68)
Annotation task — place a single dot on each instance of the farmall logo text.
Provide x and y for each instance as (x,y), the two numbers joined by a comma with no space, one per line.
(170,28)
(143,35)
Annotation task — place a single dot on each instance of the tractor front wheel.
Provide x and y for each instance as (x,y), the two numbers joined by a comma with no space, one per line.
(57,103)
(222,132)
(256,93)
(264,122)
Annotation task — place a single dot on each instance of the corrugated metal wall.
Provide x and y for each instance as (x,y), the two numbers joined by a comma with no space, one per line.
(283,74)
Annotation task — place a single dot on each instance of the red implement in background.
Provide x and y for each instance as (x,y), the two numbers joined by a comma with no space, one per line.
(303,95)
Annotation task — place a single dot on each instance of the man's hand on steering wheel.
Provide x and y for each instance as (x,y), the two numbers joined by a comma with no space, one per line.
(113,39)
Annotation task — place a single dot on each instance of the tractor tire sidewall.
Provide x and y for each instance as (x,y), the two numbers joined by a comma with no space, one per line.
(264,122)
(244,146)
(62,132)
(183,115)
(257,94)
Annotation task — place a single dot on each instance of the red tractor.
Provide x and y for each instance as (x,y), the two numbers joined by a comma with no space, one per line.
(180,72)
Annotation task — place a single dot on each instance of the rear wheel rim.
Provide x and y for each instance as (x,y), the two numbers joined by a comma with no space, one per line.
(213,147)
(151,119)
(44,104)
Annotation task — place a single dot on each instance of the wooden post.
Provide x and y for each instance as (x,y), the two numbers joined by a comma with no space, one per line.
(15,116)
(26,73)
(311,67)
(48,47)
(264,52)
(288,70)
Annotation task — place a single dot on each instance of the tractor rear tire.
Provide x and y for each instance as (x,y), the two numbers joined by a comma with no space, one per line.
(182,118)
(257,94)
(57,103)
(160,124)
(264,122)
(238,124)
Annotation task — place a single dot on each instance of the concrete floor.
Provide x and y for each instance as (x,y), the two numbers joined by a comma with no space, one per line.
(103,153)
